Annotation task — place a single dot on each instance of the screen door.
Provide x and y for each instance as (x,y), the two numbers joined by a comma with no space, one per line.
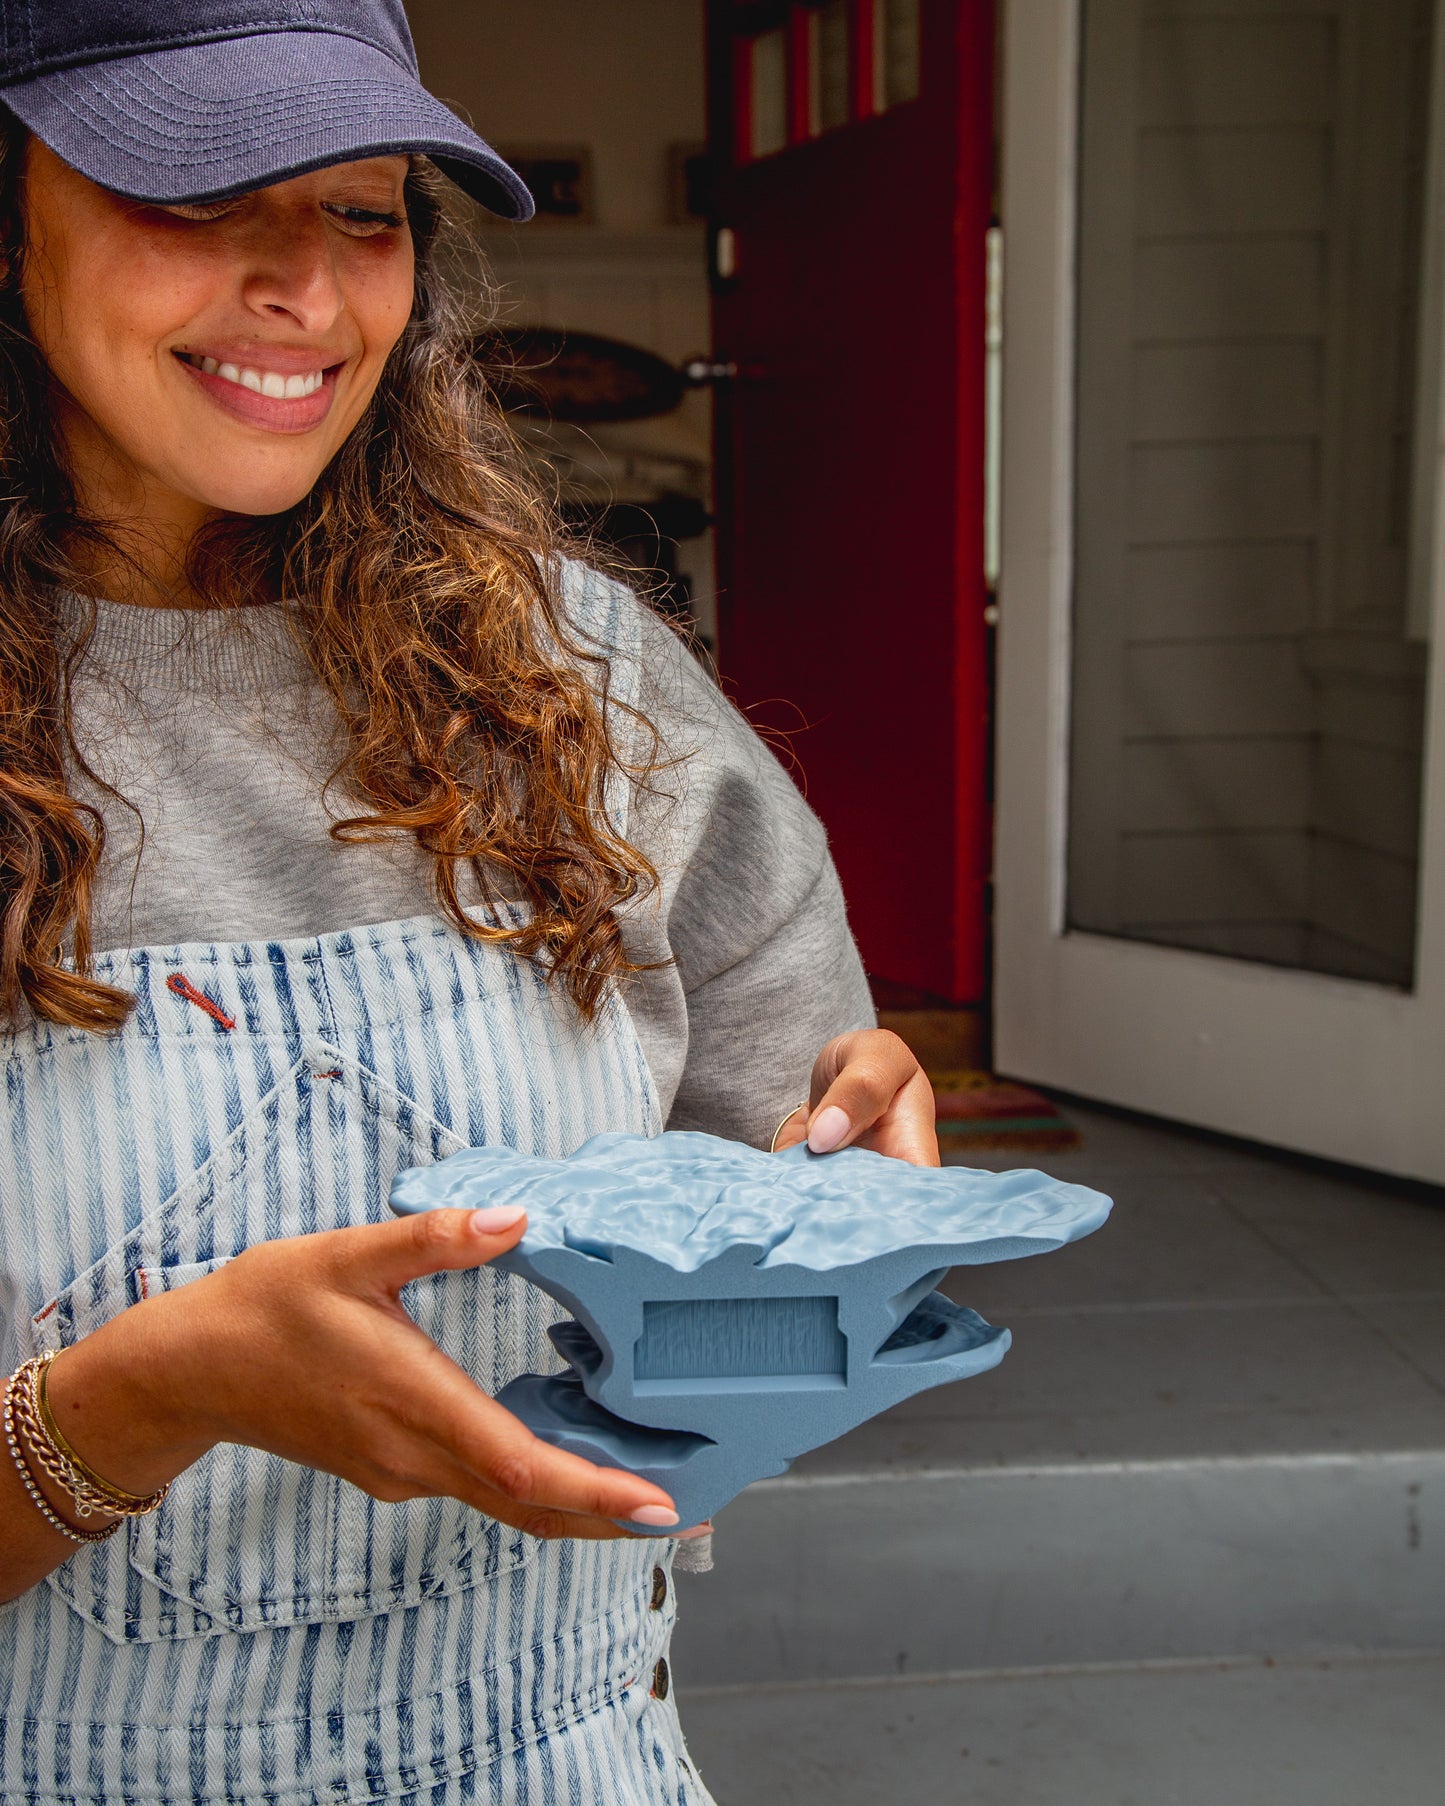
(1219,870)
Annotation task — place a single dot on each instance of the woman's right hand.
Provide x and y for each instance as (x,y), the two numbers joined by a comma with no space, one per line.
(303,1348)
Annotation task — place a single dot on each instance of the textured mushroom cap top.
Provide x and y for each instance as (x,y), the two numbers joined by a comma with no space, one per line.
(685,1198)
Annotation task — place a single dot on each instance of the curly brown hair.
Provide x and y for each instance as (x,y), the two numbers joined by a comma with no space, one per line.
(422,578)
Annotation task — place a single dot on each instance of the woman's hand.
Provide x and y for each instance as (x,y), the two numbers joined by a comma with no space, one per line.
(302,1347)
(868,1091)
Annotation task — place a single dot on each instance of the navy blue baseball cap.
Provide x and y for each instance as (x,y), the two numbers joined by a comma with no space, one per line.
(192,100)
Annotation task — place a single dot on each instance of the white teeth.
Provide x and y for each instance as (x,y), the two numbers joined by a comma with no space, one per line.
(264,382)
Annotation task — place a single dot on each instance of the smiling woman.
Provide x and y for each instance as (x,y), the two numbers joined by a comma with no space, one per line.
(346,819)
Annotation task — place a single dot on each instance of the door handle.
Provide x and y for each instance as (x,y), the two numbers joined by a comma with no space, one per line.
(703,372)
(993,411)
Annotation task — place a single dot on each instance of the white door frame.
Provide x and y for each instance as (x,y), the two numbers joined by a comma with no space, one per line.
(1354,1072)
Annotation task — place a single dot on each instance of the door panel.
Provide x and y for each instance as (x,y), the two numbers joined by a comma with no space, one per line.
(855,145)
(1221,877)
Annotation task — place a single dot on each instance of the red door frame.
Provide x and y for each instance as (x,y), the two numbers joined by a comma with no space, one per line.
(940,842)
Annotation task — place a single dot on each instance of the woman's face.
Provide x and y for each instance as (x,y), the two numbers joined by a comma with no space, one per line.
(212,359)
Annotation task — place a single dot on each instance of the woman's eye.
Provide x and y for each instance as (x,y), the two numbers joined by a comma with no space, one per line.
(365,222)
(199,210)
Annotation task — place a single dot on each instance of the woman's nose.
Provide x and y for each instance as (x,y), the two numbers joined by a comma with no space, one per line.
(294,273)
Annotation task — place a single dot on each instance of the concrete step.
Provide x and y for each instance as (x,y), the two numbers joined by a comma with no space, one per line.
(1346,1733)
(837,1576)
(1219,1438)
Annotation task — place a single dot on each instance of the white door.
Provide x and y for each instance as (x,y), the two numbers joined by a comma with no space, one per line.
(1221,780)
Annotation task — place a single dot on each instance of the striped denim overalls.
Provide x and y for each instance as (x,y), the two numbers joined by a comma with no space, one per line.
(273,1634)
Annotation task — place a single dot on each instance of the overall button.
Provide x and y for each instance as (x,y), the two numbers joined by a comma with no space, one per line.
(661,1679)
(659,1589)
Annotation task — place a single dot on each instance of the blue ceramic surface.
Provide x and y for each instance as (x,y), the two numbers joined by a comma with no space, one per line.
(735,1308)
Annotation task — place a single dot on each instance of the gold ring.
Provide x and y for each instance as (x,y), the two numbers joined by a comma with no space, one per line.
(773,1144)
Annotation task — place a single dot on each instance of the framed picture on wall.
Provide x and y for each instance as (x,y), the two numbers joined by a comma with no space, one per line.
(688,181)
(560,178)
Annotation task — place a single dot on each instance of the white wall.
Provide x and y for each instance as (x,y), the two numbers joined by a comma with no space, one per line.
(626,79)
(625,76)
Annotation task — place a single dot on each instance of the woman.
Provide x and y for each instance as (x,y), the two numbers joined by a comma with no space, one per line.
(344,822)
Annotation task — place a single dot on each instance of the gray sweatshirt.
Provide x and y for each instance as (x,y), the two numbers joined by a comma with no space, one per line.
(210,727)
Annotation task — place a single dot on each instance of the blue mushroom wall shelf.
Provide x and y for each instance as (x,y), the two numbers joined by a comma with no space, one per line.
(734,1309)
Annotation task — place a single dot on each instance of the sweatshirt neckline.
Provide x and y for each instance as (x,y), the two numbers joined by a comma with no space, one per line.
(185,648)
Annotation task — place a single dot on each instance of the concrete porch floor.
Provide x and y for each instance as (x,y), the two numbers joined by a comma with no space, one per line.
(1185,1546)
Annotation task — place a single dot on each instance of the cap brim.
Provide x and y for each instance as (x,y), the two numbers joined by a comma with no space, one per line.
(213,120)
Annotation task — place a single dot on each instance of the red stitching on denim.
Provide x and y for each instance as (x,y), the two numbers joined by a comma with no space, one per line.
(182,987)
(48,1309)
(140,1274)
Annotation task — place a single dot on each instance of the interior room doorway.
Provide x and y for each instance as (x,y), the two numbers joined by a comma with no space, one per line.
(824,253)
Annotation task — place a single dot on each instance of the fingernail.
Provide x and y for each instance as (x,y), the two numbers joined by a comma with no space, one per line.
(684,1536)
(827,1129)
(657,1517)
(498,1218)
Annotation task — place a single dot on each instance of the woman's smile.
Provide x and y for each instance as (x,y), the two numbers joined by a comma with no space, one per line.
(266,388)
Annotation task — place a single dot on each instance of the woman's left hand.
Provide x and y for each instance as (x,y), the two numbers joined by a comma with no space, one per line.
(868,1091)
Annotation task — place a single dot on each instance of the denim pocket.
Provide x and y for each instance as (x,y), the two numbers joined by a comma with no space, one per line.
(247,1541)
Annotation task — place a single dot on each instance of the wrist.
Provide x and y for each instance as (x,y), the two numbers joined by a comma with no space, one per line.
(115,1399)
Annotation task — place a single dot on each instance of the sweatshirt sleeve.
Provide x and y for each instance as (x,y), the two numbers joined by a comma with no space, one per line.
(761,967)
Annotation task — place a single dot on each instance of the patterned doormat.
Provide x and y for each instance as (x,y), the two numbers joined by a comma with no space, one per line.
(978,1110)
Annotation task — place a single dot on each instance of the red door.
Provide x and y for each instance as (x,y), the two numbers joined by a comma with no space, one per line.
(853,142)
